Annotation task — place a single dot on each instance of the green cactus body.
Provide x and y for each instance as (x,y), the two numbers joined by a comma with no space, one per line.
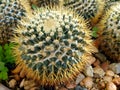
(110,33)
(53,46)
(89,9)
(11,12)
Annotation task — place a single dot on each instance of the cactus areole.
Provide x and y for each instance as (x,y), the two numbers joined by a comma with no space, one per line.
(54,45)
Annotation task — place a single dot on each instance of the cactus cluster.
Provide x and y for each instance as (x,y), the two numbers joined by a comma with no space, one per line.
(53,46)
(110,33)
(89,9)
(11,12)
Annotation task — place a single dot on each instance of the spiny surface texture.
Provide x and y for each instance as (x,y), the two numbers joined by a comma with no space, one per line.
(89,9)
(53,47)
(44,3)
(110,33)
(11,12)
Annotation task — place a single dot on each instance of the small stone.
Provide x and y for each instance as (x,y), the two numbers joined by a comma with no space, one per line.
(116,81)
(111,86)
(91,60)
(96,63)
(101,57)
(62,88)
(88,71)
(105,65)
(71,85)
(116,76)
(109,73)
(87,82)
(99,71)
(115,67)
(2,87)
(80,88)
(80,77)
(12,83)
(16,77)
(22,83)
(101,85)
(107,78)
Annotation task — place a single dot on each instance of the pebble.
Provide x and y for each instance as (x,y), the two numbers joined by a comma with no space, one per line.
(105,65)
(101,85)
(111,86)
(101,57)
(115,67)
(99,71)
(109,73)
(22,83)
(17,77)
(116,81)
(88,71)
(80,88)
(70,85)
(107,78)
(12,83)
(115,76)
(87,82)
(96,63)
(91,60)
(62,88)
(79,78)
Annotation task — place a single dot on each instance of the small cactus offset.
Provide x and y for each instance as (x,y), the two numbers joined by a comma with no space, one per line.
(89,9)
(110,33)
(53,46)
(11,12)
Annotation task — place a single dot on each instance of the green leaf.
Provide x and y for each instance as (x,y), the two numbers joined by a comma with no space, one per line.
(3,75)
(34,7)
(1,53)
(94,32)
(9,58)
(2,67)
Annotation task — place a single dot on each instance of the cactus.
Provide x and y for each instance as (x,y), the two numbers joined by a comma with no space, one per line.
(44,3)
(11,12)
(110,33)
(53,46)
(89,9)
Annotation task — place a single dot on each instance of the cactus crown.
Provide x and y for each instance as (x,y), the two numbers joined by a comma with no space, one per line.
(89,9)
(110,32)
(55,44)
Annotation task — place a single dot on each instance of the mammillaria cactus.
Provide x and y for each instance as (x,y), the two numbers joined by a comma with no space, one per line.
(53,46)
(44,3)
(11,12)
(110,33)
(89,9)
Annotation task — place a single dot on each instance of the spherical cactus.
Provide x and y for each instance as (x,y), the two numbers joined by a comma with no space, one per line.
(53,46)
(89,9)
(11,12)
(110,33)
(44,3)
